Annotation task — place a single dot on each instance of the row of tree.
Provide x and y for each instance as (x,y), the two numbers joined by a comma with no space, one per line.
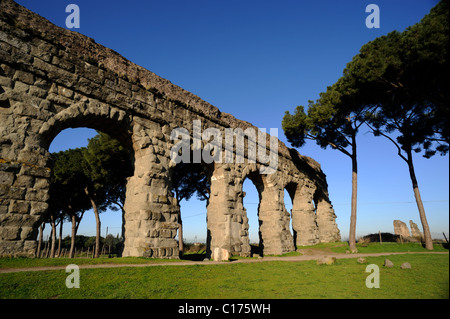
(84,245)
(92,177)
(397,84)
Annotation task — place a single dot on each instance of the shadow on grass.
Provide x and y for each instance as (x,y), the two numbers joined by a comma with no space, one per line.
(194,256)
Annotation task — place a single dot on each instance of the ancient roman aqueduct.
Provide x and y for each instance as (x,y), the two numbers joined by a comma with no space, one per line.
(52,78)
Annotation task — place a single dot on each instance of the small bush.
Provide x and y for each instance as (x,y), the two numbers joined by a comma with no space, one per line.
(193,247)
(375,238)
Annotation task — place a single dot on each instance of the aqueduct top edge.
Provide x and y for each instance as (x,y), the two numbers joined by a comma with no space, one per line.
(104,57)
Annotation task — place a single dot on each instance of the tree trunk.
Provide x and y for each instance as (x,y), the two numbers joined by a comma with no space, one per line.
(41,235)
(60,236)
(423,217)
(79,221)
(53,247)
(46,249)
(180,234)
(97,223)
(74,232)
(352,234)
(123,225)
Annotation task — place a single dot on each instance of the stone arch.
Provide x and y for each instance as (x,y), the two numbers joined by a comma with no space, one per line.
(103,118)
(291,188)
(255,178)
(115,122)
(199,169)
(31,172)
(274,235)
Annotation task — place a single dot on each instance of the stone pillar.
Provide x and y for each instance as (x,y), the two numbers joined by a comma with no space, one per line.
(415,231)
(242,220)
(151,212)
(276,238)
(401,229)
(24,184)
(326,221)
(303,215)
(226,220)
(23,203)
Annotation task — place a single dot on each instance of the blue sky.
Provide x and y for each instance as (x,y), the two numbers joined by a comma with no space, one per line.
(255,60)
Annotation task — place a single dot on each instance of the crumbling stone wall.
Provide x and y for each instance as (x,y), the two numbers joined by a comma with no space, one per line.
(415,231)
(52,79)
(401,229)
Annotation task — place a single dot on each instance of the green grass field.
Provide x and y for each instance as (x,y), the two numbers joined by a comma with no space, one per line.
(342,247)
(428,278)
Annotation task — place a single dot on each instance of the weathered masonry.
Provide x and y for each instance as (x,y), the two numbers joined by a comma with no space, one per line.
(52,79)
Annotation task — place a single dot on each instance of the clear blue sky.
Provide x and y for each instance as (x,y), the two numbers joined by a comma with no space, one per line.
(255,60)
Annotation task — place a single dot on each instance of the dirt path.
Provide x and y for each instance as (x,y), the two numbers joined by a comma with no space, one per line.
(312,256)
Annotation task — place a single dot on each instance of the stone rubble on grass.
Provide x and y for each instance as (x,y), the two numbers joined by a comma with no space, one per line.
(325,260)
(362,260)
(388,263)
(405,266)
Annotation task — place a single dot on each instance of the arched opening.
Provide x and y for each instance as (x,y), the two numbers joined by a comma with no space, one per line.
(289,195)
(251,188)
(190,185)
(251,204)
(105,160)
(65,140)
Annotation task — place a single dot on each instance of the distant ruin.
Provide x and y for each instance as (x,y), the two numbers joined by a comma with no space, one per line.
(415,232)
(401,229)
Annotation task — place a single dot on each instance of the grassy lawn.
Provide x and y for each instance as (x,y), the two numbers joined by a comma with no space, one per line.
(428,278)
(342,247)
